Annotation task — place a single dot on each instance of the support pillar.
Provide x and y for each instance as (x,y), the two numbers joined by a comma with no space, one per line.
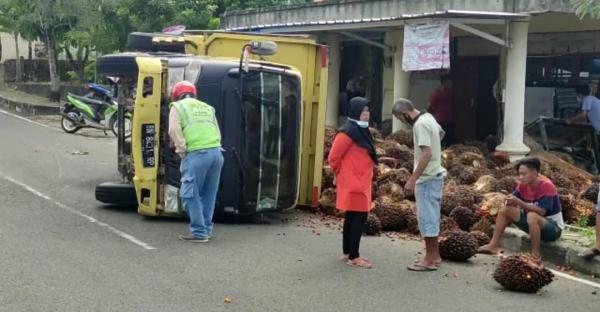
(401,78)
(333,82)
(514,108)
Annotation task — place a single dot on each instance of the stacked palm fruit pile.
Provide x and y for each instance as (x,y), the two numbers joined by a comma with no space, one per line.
(474,190)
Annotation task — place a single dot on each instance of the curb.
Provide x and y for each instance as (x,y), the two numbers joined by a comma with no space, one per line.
(560,253)
(28,109)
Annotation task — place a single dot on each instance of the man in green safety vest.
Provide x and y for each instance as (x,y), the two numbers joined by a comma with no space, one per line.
(195,134)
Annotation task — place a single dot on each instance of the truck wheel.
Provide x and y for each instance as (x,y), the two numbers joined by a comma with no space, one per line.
(118,194)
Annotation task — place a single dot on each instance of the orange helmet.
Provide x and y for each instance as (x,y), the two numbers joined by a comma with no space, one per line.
(181,88)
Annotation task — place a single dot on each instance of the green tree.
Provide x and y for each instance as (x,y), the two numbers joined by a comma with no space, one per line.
(51,21)
(11,21)
(585,8)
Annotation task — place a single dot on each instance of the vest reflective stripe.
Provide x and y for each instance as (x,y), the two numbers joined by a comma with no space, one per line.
(198,122)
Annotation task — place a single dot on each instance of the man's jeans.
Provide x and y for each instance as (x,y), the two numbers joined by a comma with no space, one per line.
(428,194)
(200,176)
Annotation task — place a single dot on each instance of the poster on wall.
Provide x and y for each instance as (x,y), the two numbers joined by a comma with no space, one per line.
(426,46)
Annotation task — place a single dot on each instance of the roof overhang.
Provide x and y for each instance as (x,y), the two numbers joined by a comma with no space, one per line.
(464,17)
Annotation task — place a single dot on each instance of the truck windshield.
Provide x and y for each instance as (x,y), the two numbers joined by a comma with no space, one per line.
(271,103)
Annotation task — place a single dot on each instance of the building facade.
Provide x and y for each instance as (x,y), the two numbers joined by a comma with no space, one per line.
(507,56)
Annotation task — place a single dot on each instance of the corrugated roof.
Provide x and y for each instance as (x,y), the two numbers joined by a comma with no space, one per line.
(449,13)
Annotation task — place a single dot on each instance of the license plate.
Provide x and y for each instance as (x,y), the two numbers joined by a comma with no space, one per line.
(148,137)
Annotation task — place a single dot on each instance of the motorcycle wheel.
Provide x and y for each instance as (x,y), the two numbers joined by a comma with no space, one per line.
(115,126)
(67,125)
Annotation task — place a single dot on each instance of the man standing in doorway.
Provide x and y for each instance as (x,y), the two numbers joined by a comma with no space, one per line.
(440,106)
(194,130)
(427,179)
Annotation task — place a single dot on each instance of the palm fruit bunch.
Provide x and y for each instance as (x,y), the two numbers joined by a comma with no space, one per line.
(485,226)
(399,176)
(448,224)
(492,203)
(327,202)
(579,209)
(480,237)
(329,136)
(458,246)
(507,184)
(467,175)
(328,177)
(375,133)
(404,137)
(461,195)
(380,171)
(561,181)
(412,224)
(486,184)
(373,225)
(481,146)
(388,161)
(464,217)
(391,190)
(522,273)
(498,159)
(456,155)
(390,213)
(591,193)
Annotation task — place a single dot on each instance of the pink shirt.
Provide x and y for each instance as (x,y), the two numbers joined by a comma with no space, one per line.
(440,105)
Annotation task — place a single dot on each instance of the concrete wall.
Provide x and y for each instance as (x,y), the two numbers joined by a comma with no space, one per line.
(363,9)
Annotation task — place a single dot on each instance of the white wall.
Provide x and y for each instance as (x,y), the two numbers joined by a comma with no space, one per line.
(8,47)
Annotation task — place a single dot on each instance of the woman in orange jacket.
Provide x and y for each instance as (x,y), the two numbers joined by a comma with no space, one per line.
(352,159)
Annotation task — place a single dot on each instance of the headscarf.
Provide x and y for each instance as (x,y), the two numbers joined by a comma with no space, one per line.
(360,136)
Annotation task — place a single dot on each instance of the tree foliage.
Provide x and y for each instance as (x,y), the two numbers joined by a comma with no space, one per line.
(589,8)
(78,27)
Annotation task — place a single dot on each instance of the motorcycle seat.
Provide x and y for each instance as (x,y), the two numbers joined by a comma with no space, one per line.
(88,100)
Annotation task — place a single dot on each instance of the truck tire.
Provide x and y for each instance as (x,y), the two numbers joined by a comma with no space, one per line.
(143,42)
(120,65)
(118,194)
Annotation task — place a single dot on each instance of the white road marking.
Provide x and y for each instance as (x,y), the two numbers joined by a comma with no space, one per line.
(101,140)
(575,279)
(27,120)
(72,210)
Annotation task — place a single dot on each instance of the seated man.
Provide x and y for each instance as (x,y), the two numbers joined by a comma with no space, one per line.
(533,207)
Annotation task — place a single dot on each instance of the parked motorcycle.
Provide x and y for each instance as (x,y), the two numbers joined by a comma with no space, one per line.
(84,112)
(101,93)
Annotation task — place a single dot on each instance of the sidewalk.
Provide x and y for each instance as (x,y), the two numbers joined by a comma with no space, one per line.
(562,253)
(26,104)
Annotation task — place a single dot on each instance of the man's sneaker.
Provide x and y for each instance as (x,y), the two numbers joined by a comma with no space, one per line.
(193,239)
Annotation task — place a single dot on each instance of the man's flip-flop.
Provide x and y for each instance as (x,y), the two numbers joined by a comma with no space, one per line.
(487,252)
(415,267)
(590,254)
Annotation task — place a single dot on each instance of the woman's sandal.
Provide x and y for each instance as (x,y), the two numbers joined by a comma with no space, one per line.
(359,263)
(590,253)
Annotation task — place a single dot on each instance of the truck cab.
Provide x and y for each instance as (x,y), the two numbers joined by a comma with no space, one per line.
(259,106)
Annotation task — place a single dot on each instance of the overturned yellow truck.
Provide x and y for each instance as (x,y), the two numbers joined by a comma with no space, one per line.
(269,94)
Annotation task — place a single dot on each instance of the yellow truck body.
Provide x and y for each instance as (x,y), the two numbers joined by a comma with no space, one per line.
(310,59)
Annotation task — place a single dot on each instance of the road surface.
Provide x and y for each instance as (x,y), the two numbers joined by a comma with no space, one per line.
(63,251)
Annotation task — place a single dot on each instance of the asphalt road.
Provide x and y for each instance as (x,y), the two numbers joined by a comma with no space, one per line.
(63,251)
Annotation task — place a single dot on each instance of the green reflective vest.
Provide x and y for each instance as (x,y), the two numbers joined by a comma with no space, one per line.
(199,124)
